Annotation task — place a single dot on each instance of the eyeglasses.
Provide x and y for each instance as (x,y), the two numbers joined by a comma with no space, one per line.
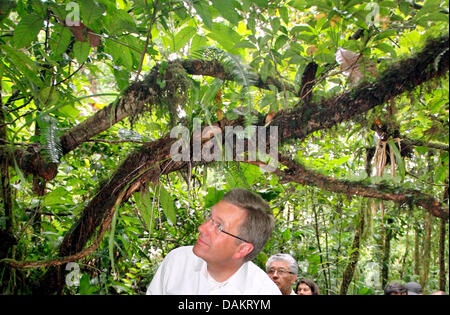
(219,227)
(281,272)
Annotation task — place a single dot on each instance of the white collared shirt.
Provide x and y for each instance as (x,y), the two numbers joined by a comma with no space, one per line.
(183,273)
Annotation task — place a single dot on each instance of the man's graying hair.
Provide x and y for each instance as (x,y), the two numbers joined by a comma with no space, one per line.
(258,224)
(292,263)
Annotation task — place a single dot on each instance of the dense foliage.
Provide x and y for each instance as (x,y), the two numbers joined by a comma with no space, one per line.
(66,64)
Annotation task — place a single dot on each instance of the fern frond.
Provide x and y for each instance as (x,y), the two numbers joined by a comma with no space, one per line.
(240,72)
(50,138)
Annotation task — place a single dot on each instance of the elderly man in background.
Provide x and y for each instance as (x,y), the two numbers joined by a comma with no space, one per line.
(283,269)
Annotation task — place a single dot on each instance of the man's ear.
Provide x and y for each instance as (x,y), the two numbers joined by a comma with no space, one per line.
(243,250)
(294,278)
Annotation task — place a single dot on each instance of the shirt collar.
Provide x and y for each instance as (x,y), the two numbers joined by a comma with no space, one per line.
(236,281)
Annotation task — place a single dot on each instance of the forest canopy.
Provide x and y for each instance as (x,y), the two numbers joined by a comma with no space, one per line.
(349,100)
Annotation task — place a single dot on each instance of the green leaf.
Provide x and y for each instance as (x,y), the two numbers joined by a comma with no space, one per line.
(204,12)
(262,3)
(286,235)
(284,13)
(298,4)
(61,42)
(59,196)
(81,51)
(91,12)
(121,54)
(227,9)
(122,78)
(27,30)
(167,205)
(225,36)
(386,48)
(214,196)
(244,44)
(144,205)
(69,111)
(85,286)
(275,24)
(385,34)
(265,69)
(183,37)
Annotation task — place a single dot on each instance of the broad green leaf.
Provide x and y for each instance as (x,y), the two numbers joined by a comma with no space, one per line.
(81,51)
(203,10)
(198,42)
(59,196)
(386,48)
(167,205)
(245,44)
(91,13)
(298,4)
(120,53)
(227,9)
(385,34)
(48,97)
(225,36)
(214,196)
(61,42)
(122,78)
(275,23)
(23,63)
(144,205)
(261,3)
(284,13)
(183,37)
(27,30)
(69,111)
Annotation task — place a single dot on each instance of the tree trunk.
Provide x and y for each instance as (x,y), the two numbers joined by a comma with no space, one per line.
(7,239)
(354,256)
(386,253)
(417,260)
(426,251)
(317,230)
(442,236)
(442,275)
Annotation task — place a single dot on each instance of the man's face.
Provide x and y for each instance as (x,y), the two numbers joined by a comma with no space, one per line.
(278,271)
(214,246)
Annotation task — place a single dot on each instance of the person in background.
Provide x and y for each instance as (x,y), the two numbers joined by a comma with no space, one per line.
(282,269)
(395,288)
(307,287)
(234,232)
(413,288)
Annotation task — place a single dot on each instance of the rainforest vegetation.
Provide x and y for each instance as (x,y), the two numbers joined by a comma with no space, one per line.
(91,90)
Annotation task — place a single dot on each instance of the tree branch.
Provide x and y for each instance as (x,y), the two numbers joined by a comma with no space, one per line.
(297,173)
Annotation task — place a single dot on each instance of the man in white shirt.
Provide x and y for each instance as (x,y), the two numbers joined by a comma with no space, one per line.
(283,269)
(232,235)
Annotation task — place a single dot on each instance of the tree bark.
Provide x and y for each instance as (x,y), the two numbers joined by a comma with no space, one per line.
(442,275)
(354,256)
(386,253)
(426,251)
(442,237)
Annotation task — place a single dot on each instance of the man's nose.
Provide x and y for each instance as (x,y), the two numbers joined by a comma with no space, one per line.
(203,228)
